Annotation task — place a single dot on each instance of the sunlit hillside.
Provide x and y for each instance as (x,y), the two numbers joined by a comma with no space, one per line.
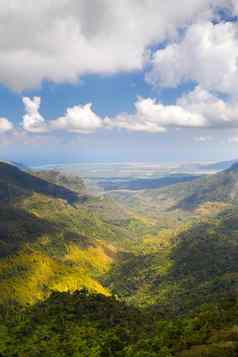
(50,239)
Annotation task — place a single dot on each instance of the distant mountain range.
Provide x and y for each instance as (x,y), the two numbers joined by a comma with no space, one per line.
(184,196)
(143,184)
(178,174)
(206,167)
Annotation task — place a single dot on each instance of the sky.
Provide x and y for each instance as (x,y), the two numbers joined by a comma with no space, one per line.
(135,80)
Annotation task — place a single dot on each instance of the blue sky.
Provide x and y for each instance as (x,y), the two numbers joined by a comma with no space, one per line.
(110,95)
(162,81)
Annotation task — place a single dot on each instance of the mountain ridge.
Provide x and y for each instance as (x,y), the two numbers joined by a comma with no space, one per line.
(49,238)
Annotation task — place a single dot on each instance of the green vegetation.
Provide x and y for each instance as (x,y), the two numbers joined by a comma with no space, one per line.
(82,324)
(152,274)
(73,183)
(174,204)
(180,269)
(49,239)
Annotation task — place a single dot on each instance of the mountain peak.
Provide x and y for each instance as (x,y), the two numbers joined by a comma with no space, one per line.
(233,168)
(15,182)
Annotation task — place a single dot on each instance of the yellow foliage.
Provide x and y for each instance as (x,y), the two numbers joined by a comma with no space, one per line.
(30,275)
(93,257)
(25,276)
(76,279)
(209,208)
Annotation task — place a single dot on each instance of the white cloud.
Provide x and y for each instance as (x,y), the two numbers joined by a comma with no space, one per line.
(217,112)
(5,125)
(60,40)
(32,120)
(208,54)
(77,119)
(197,109)
(152,116)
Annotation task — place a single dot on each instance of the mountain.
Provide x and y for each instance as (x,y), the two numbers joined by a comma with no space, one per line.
(178,270)
(190,258)
(205,167)
(19,165)
(221,187)
(16,184)
(73,183)
(50,239)
(172,204)
(153,274)
(220,165)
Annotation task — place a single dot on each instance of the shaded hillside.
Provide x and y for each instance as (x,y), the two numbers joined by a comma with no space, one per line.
(172,205)
(192,257)
(221,187)
(180,270)
(74,183)
(15,183)
(18,227)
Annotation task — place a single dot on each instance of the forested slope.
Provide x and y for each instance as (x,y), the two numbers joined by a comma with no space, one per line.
(49,239)
(82,324)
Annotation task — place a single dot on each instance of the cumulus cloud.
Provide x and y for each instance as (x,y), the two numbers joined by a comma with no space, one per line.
(77,119)
(32,120)
(207,54)
(152,116)
(197,109)
(68,38)
(217,112)
(5,125)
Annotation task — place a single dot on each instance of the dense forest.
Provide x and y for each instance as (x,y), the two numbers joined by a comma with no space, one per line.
(84,324)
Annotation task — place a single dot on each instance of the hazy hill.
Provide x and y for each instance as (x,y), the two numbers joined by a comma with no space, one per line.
(175,203)
(221,187)
(15,183)
(206,167)
(74,183)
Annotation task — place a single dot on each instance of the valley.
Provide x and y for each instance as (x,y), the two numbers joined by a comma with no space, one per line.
(169,252)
